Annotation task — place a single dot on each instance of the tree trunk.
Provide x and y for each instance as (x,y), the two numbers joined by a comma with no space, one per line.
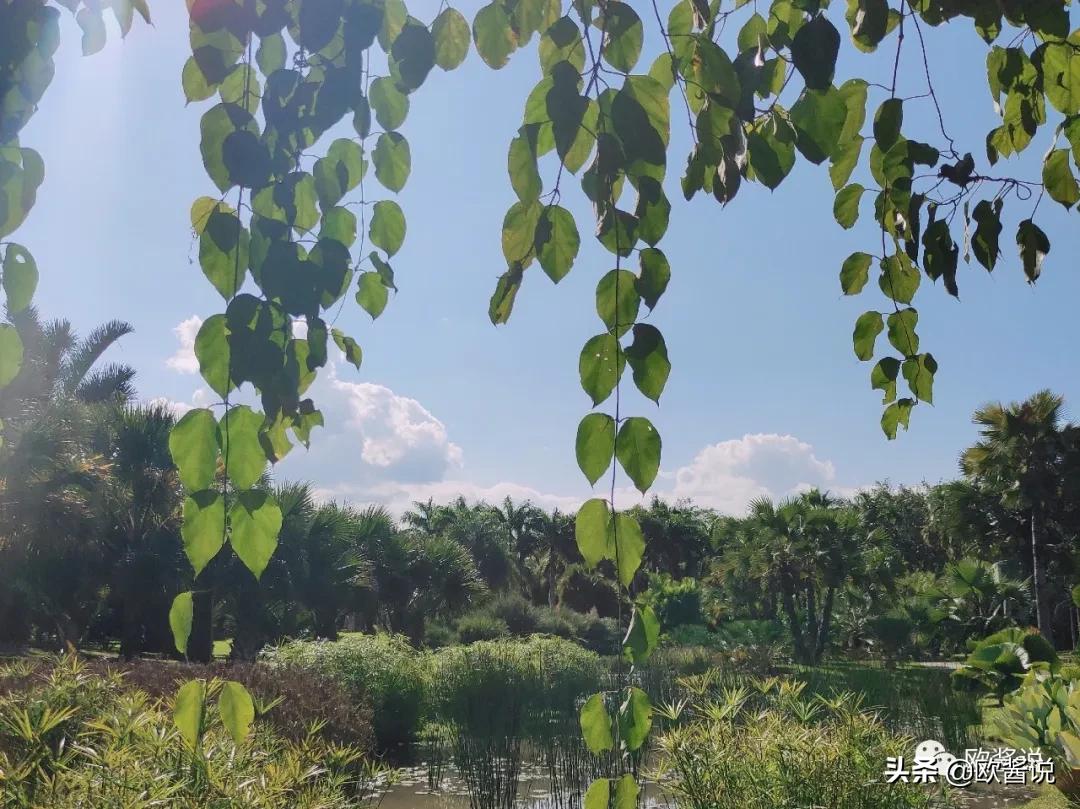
(1043,612)
(826,623)
(201,642)
(787,587)
(326,625)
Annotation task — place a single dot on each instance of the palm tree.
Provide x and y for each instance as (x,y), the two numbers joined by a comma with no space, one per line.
(138,521)
(1022,457)
(58,365)
(806,549)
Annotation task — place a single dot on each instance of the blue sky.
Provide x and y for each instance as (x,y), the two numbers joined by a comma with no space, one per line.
(765,393)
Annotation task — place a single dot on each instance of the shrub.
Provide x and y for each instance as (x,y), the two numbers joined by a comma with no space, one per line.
(694,635)
(515,611)
(601,635)
(382,670)
(999,662)
(676,602)
(480,626)
(437,635)
(564,623)
(75,735)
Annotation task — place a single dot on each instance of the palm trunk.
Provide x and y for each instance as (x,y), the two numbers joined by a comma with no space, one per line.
(201,642)
(826,623)
(1043,612)
(787,586)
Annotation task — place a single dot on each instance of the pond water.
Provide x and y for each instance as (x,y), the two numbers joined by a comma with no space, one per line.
(412,792)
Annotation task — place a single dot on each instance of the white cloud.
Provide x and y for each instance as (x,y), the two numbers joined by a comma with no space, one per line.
(728,475)
(184,361)
(373,436)
(199,398)
(399,497)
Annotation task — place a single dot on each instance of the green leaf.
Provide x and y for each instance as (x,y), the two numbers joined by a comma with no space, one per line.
(521,166)
(1060,67)
(598,795)
(887,122)
(562,43)
(193,443)
(985,242)
(189,710)
(203,529)
(451,32)
(93,30)
(846,205)
(212,351)
(883,377)
(919,372)
(629,547)
(600,366)
(648,360)
(617,231)
(413,53)
(271,53)
(902,335)
(237,710)
(637,447)
(814,51)
(339,172)
(227,158)
(895,415)
(387,229)
(818,117)
(390,104)
(1076,596)
(502,299)
(869,21)
(844,160)
(595,445)
(771,155)
(653,210)
(338,224)
(626,792)
(594,531)
(556,241)
(617,301)
(899,279)
(349,347)
(241,450)
(596,725)
(1058,178)
(1034,245)
(653,277)
(643,635)
(180,617)
(20,277)
(867,328)
(224,249)
(855,273)
(255,520)
(493,35)
(519,232)
(623,36)
(372,294)
(635,722)
(392,160)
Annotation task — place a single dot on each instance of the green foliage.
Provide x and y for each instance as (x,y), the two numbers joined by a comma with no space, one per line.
(780,749)
(129,751)
(999,662)
(382,670)
(472,628)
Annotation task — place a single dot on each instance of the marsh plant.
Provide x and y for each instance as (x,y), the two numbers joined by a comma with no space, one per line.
(72,738)
(506,700)
(770,745)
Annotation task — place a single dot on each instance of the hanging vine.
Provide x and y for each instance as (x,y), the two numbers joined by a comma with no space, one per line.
(758,88)
(29,36)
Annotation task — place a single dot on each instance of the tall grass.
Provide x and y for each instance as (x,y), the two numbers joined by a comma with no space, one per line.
(506,699)
(71,738)
(772,746)
(917,701)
